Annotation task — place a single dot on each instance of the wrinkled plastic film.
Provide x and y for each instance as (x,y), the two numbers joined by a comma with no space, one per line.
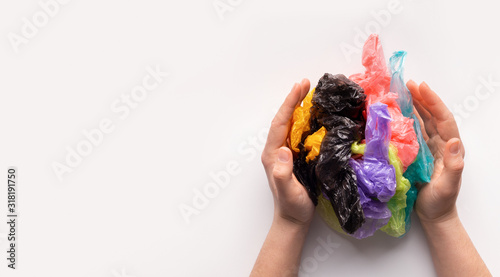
(361,187)
(300,121)
(396,225)
(398,86)
(376,82)
(376,177)
(325,210)
(421,169)
(338,105)
(305,172)
(313,143)
(411,198)
(397,205)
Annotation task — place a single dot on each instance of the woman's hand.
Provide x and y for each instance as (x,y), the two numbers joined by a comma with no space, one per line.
(293,209)
(453,252)
(436,200)
(291,201)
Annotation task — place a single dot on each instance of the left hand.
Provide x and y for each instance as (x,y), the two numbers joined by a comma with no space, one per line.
(291,201)
(436,200)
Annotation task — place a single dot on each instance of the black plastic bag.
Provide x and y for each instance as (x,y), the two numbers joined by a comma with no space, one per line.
(338,105)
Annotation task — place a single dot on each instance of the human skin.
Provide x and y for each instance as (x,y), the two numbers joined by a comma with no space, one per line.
(452,250)
(453,253)
(293,209)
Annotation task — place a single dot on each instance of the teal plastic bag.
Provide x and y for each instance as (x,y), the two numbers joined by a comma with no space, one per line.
(421,170)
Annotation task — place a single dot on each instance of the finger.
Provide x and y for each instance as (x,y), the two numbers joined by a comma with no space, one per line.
(425,116)
(305,86)
(415,91)
(446,125)
(445,121)
(450,178)
(429,122)
(433,103)
(421,123)
(283,172)
(413,88)
(281,122)
(417,100)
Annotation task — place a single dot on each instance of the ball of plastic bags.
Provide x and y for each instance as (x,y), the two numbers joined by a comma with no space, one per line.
(358,147)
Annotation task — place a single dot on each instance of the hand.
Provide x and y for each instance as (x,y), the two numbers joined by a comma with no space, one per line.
(293,210)
(291,201)
(436,200)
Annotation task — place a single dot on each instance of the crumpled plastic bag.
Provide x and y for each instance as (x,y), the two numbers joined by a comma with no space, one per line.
(337,108)
(376,177)
(300,121)
(403,135)
(325,210)
(361,187)
(411,198)
(376,84)
(313,143)
(338,105)
(396,225)
(375,80)
(421,169)
(305,172)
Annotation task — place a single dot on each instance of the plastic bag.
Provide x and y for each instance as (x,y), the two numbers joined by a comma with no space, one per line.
(305,172)
(376,84)
(313,143)
(421,169)
(360,187)
(396,225)
(300,121)
(375,81)
(411,198)
(403,136)
(338,105)
(325,210)
(376,177)
(398,86)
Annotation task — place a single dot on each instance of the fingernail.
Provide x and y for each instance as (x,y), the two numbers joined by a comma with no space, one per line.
(455,148)
(283,155)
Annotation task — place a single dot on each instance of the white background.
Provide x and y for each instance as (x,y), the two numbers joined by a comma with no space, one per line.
(117,213)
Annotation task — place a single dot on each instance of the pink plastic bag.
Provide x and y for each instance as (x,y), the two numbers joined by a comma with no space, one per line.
(376,82)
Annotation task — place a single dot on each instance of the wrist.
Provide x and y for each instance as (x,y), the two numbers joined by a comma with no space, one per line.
(442,224)
(449,216)
(290,225)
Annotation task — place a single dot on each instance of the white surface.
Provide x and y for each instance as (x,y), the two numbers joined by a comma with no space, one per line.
(117,213)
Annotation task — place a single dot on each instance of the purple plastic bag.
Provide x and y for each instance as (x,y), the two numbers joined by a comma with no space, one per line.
(376,178)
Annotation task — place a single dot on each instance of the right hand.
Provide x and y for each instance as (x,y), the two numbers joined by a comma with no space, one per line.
(291,201)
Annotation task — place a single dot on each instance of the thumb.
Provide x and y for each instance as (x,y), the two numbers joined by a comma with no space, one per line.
(283,170)
(453,161)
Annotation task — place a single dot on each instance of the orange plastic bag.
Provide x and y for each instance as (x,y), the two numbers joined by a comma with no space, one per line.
(300,121)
